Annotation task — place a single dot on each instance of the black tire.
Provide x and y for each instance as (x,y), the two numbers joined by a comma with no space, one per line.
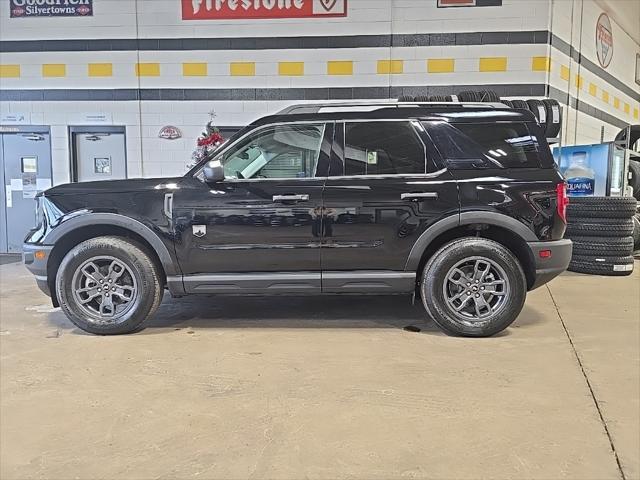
(489,96)
(594,207)
(438,98)
(405,98)
(539,111)
(421,98)
(636,231)
(601,265)
(508,103)
(600,227)
(634,178)
(451,98)
(469,96)
(604,246)
(520,104)
(139,275)
(554,117)
(434,282)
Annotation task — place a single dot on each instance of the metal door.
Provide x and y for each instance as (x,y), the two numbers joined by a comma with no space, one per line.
(26,161)
(98,154)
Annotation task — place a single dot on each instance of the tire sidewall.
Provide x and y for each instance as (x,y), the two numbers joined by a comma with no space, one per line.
(141,268)
(442,261)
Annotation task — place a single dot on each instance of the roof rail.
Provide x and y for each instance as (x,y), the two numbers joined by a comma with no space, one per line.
(371,106)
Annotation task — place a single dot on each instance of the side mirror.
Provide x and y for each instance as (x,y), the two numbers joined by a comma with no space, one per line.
(213,172)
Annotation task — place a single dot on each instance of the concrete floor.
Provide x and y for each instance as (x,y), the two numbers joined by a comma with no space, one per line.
(323,388)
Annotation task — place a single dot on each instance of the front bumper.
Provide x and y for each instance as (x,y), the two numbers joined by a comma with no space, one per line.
(36,258)
(550,265)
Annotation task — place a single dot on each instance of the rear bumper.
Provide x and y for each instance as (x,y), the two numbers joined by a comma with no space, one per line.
(549,266)
(37,264)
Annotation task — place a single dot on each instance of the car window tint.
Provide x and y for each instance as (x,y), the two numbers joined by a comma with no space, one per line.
(382,148)
(280,151)
(485,145)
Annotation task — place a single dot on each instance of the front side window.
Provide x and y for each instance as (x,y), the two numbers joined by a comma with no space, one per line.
(279,151)
(485,145)
(382,148)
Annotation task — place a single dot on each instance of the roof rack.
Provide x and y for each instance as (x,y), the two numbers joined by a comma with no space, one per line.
(372,106)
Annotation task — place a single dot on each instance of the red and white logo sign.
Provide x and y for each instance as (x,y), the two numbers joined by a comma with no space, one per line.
(170,133)
(244,9)
(604,40)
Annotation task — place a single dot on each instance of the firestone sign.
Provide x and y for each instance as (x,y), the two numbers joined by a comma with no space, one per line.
(604,40)
(51,8)
(247,9)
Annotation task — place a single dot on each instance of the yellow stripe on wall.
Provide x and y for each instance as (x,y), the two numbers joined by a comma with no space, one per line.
(291,69)
(579,82)
(9,71)
(541,64)
(194,69)
(242,69)
(616,102)
(635,113)
(340,67)
(100,70)
(627,108)
(148,69)
(441,65)
(54,70)
(605,96)
(390,67)
(493,64)
(565,73)
(593,89)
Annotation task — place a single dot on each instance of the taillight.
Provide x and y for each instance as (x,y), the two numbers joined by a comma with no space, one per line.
(562,200)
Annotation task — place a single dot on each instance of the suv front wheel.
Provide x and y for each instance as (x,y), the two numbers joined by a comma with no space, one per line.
(108,286)
(473,287)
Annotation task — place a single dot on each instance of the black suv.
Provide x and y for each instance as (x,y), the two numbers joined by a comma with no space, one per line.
(458,203)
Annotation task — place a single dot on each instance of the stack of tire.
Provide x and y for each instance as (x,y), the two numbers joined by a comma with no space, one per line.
(547,111)
(601,229)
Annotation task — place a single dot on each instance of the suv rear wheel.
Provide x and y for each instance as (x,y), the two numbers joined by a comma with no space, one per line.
(473,287)
(108,286)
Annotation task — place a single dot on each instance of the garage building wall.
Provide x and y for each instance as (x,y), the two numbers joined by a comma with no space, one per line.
(138,64)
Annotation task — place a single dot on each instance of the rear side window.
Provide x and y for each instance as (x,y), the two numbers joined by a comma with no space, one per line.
(382,148)
(485,145)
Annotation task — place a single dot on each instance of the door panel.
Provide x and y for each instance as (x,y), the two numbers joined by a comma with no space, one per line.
(262,224)
(371,222)
(27,170)
(100,156)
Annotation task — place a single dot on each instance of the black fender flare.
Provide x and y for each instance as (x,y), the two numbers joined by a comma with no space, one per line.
(128,223)
(465,218)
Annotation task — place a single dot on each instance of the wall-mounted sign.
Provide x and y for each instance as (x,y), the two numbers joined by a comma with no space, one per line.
(170,133)
(469,3)
(22,118)
(604,40)
(247,9)
(50,8)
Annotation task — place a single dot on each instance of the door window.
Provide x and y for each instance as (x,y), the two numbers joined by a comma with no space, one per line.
(496,145)
(382,148)
(279,151)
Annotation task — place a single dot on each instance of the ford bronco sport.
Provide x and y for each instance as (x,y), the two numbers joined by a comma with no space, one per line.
(459,203)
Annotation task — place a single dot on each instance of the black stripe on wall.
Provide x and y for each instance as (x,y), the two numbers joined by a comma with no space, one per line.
(252,94)
(278,43)
(297,94)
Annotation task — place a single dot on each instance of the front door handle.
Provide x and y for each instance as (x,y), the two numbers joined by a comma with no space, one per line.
(291,198)
(418,195)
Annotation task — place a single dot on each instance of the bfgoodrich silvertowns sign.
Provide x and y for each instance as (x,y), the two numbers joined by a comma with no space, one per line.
(245,9)
(51,8)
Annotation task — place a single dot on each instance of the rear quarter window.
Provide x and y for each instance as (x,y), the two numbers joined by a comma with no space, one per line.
(485,145)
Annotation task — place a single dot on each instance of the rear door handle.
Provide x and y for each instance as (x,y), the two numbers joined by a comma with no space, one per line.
(291,198)
(418,195)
